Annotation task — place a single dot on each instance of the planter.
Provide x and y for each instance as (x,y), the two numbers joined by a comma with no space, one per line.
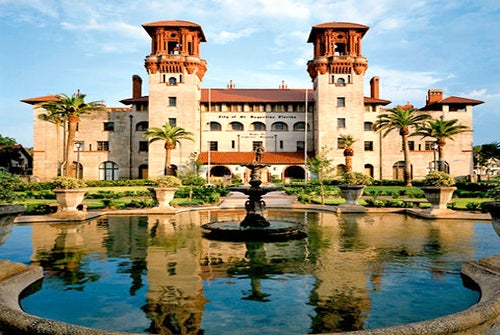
(351,194)
(163,196)
(493,207)
(69,199)
(438,197)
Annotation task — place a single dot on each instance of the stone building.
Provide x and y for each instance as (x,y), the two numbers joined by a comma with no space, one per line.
(228,123)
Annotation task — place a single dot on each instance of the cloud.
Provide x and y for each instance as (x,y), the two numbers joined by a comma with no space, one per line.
(224,37)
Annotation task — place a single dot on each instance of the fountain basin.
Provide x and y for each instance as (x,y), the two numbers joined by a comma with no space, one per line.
(235,231)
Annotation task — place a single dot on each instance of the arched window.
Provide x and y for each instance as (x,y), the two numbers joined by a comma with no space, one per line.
(215,126)
(398,170)
(340,82)
(368,126)
(369,170)
(142,126)
(108,171)
(258,126)
(341,169)
(279,126)
(172,81)
(236,126)
(299,126)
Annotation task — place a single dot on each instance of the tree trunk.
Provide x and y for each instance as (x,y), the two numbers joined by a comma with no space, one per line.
(406,157)
(441,144)
(72,124)
(168,153)
(348,163)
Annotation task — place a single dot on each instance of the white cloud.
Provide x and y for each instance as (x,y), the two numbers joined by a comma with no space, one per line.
(224,37)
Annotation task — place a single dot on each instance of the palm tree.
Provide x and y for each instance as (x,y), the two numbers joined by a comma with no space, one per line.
(402,120)
(440,130)
(67,110)
(348,141)
(172,135)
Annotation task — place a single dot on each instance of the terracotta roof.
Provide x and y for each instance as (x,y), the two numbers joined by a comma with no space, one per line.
(255,95)
(452,100)
(337,26)
(36,100)
(130,101)
(374,101)
(226,158)
(150,27)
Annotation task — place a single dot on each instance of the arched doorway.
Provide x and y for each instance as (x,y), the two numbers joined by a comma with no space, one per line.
(340,170)
(294,172)
(220,171)
(77,170)
(398,171)
(143,171)
(108,171)
(369,170)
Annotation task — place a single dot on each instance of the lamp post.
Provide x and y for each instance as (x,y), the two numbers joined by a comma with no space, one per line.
(434,150)
(78,146)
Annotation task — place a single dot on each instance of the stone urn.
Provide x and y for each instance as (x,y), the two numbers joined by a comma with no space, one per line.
(438,197)
(163,196)
(69,199)
(351,194)
(493,207)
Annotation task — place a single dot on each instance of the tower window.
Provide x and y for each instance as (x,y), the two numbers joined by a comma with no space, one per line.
(172,101)
(143,146)
(172,121)
(102,146)
(109,126)
(341,122)
(368,145)
(368,126)
(172,81)
(340,82)
(340,102)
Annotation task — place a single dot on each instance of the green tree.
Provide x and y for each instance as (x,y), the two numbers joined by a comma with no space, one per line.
(66,110)
(171,135)
(406,122)
(323,167)
(190,174)
(7,141)
(348,141)
(485,152)
(441,130)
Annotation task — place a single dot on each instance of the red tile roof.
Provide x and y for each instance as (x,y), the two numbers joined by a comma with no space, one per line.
(34,101)
(226,158)
(150,27)
(374,101)
(255,95)
(337,26)
(453,101)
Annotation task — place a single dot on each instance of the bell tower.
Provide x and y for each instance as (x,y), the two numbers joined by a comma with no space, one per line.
(175,72)
(337,71)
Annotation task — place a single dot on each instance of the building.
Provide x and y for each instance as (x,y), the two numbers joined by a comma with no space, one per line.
(229,123)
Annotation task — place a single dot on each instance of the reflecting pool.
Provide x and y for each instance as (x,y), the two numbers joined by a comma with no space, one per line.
(158,274)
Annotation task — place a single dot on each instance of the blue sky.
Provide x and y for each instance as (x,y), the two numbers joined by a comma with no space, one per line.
(51,47)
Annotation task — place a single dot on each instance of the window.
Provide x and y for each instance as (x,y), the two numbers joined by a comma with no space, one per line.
(279,126)
(215,126)
(172,101)
(333,79)
(340,102)
(341,122)
(256,144)
(172,121)
(411,145)
(258,126)
(301,146)
(281,144)
(340,143)
(368,145)
(108,171)
(233,144)
(340,82)
(236,126)
(102,146)
(172,81)
(214,145)
(428,145)
(109,126)
(144,146)
(142,126)
(368,126)
(300,126)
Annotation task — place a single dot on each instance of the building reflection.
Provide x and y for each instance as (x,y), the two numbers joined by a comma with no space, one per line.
(167,254)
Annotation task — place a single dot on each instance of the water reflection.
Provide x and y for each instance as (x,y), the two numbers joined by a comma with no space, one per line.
(173,281)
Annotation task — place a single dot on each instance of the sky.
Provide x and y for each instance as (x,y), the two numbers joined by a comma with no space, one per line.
(95,46)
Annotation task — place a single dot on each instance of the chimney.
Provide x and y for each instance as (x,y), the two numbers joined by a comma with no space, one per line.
(374,88)
(136,87)
(433,96)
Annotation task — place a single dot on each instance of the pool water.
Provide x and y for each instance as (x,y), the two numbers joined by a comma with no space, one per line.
(158,274)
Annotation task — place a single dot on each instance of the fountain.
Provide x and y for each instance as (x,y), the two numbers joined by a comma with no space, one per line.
(254,226)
